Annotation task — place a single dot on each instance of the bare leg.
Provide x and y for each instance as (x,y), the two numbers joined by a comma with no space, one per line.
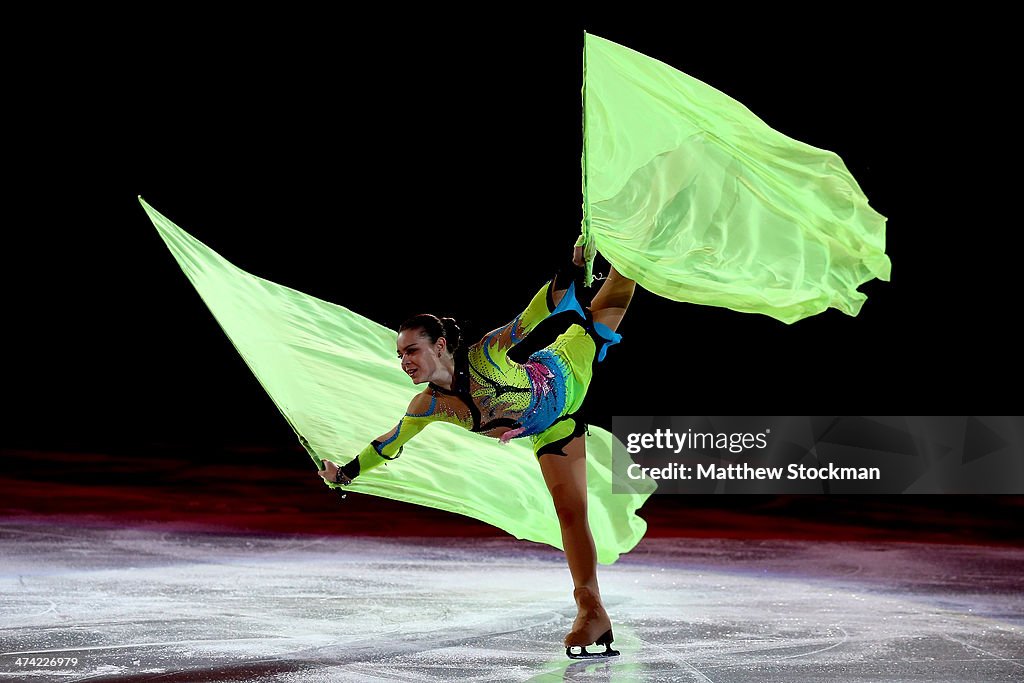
(611,301)
(566,479)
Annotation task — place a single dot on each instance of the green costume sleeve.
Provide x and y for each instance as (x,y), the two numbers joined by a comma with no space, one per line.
(697,199)
(332,374)
(536,311)
(367,459)
(390,446)
(515,331)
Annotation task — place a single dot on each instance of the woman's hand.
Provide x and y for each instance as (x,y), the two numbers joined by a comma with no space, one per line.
(578,259)
(333,474)
(329,472)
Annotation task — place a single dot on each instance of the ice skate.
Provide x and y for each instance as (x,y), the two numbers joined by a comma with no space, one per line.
(592,626)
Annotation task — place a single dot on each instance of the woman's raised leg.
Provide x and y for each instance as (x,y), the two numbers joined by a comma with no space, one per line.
(611,301)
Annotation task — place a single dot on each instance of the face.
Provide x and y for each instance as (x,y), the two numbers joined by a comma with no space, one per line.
(418,356)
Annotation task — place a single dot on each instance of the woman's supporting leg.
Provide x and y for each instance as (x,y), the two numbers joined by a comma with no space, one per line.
(566,479)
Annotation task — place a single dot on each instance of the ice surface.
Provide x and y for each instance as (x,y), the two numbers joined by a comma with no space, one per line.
(138,603)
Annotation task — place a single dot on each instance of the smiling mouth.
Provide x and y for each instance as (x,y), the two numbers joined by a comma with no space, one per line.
(412,372)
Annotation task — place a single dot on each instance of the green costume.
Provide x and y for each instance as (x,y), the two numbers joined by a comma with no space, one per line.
(496,396)
(316,361)
(685,191)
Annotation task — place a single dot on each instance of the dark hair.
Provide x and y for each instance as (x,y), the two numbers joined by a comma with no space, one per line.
(435,328)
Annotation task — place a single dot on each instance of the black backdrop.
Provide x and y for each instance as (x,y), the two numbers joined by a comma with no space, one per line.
(431,163)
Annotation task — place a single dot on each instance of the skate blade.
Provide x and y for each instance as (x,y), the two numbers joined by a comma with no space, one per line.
(605,639)
(583,654)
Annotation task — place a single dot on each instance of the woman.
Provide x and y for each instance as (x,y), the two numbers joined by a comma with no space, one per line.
(482,389)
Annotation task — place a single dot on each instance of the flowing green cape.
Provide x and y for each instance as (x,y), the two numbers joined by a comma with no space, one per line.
(697,199)
(685,191)
(333,375)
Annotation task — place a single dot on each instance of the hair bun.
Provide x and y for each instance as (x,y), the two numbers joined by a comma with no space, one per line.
(452,333)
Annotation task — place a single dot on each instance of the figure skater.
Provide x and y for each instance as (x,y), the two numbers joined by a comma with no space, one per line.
(485,390)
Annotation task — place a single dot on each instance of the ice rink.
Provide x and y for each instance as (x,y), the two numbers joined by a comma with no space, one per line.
(137,602)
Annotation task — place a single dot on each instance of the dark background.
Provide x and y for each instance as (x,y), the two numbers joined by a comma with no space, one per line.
(402,164)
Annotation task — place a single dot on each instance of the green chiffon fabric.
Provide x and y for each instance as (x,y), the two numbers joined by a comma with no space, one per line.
(685,191)
(698,200)
(333,375)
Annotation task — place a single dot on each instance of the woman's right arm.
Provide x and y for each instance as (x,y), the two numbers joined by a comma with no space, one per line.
(387,446)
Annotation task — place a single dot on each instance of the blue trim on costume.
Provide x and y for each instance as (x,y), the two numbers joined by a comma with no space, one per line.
(512,335)
(569,303)
(546,407)
(512,332)
(608,335)
(430,410)
(398,430)
(487,346)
